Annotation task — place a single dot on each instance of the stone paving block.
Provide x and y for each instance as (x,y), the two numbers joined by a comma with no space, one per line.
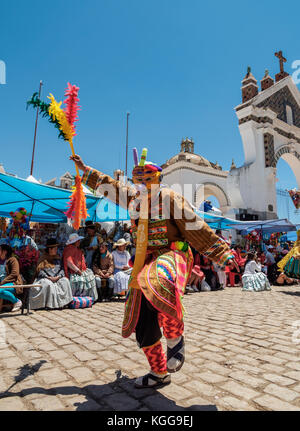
(247,379)
(58,354)
(121,401)
(94,347)
(12,404)
(233,403)
(52,375)
(295,375)
(12,363)
(271,359)
(283,393)
(215,367)
(175,392)
(296,388)
(158,402)
(273,368)
(61,341)
(287,357)
(198,404)
(47,347)
(239,390)
(82,403)
(246,367)
(48,403)
(98,389)
(84,356)
(283,348)
(293,365)
(275,404)
(5,353)
(71,348)
(211,356)
(211,377)
(81,374)
(200,388)
(69,363)
(283,381)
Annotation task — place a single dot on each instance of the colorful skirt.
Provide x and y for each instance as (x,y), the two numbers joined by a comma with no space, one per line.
(84,284)
(255,282)
(162,281)
(292,268)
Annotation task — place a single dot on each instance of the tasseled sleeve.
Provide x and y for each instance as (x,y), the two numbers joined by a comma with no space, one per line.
(197,232)
(109,187)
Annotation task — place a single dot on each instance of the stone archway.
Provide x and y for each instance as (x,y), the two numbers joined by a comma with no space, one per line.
(291,157)
(211,189)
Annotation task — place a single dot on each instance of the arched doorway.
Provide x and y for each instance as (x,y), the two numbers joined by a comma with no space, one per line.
(292,158)
(208,190)
(288,177)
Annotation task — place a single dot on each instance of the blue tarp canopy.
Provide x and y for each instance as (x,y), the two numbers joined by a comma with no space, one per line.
(266,226)
(217,221)
(47,204)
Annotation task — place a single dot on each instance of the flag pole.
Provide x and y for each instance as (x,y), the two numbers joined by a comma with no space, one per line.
(35,129)
(128,113)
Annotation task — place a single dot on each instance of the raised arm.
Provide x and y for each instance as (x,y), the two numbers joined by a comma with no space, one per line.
(108,186)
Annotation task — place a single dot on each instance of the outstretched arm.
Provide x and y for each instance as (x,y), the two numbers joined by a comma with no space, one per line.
(109,187)
(198,233)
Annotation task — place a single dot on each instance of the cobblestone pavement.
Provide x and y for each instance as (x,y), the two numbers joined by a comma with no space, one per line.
(240,356)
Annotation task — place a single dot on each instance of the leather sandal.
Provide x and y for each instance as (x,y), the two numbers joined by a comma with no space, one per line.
(159,382)
(175,353)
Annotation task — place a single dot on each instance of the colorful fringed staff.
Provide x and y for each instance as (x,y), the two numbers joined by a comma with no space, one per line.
(143,157)
(64,120)
(135,157)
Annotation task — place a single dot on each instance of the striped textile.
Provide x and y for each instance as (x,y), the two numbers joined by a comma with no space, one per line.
(81,302)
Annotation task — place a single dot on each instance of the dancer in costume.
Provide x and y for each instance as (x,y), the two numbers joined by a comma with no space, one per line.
(163,225)
(290,264)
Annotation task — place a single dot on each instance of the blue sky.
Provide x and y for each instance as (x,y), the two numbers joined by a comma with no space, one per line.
(175,66)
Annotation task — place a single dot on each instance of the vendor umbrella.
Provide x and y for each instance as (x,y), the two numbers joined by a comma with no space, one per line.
(48,204)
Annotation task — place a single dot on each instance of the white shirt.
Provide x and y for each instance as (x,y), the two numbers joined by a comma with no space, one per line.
(121,258)
(252,267)
(270,259)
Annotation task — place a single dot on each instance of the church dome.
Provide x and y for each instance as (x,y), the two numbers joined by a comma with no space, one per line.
(190,158)
(187,154)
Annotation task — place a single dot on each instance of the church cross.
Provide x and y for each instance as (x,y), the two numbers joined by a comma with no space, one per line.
(281,60)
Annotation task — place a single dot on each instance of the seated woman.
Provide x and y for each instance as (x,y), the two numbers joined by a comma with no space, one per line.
(211,277)
(236,267)
(196,278)
(253,278)
(281,278)
(82,279)
(10,277)
(122,269)
(103,267)
(55,290)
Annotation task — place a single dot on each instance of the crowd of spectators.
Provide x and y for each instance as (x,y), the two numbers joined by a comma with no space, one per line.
(207,276)
(96,264)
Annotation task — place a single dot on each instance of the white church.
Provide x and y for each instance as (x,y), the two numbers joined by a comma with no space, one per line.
(269,124)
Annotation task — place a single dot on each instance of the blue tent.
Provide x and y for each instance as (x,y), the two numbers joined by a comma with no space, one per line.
(266,226)
(216,221)
(47,204)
